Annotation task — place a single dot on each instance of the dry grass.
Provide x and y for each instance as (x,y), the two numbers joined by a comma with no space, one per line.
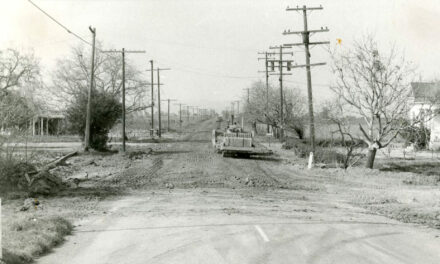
(28,237)
(32,233)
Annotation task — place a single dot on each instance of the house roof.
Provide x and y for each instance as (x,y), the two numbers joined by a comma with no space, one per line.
(426,91)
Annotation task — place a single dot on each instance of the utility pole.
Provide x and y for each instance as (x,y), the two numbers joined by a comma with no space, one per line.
(159,132)
(89,98)
(168,121)
(158,97)
(123,51)
(247,89)
(266,71)
(281,65)
(187,113)
(159,113)
(193,108)
(152,97)
(232,113)
(238,106)
(180,116)
(306,42)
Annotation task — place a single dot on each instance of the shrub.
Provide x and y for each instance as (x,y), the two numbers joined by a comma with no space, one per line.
(12,174)
(106,109)
(13,166)
(417,135)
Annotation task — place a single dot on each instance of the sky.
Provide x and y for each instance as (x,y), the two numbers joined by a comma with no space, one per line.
(211,46)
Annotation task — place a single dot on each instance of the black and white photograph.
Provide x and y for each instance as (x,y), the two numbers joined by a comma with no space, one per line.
(219,132)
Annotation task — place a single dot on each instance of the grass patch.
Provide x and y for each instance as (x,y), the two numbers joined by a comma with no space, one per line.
(429,168)
(25,237)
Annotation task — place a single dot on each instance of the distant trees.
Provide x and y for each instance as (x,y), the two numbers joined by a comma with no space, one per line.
(294,107)
(374,85)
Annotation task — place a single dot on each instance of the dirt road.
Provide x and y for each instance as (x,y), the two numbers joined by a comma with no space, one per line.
(224,210)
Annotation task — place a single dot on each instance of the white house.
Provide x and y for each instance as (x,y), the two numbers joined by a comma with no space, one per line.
(426,101)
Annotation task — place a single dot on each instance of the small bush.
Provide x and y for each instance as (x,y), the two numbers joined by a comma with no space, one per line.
(417,135)
(106,110)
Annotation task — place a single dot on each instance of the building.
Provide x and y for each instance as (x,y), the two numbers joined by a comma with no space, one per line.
(426,102)
(46,123)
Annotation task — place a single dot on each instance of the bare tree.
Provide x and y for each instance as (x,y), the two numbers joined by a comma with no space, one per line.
(375,86)
(71,78)
(19,78)
(294,106)
(16,69)
(334,116)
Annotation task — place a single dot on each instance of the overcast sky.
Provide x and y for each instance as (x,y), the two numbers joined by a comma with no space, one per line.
(212,45)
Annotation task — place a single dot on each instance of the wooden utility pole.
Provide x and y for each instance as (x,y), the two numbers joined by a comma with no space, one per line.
(168,115)
(152,97)
(266,71)
(232,113)
(123,99)
(89,97)
(306,43)
(180,116)
(123,51)
(281,65)
(247,90)
(158,97)
(193,108)
(187,113)
(238,106)
(159,115)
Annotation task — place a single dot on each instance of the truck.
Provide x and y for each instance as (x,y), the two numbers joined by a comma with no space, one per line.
(237,143)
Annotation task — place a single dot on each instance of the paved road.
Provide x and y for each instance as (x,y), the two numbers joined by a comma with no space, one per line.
(254,222)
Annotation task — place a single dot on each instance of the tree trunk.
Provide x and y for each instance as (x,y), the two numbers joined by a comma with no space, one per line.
(370,157)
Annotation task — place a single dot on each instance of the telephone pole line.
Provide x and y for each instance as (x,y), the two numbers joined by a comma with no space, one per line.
(152,98)
(306,43)
(180,116)
(266,71)
(89,98)
(187,113)
(123,51)
(159,117)
(158,98)
(168,121)
(281,65)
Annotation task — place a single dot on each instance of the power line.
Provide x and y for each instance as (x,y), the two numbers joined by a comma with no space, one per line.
(198,46)
(59,23)
(66,28)
(217,74)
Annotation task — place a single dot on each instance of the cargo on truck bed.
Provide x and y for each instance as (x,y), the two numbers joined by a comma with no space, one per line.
(237,144)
